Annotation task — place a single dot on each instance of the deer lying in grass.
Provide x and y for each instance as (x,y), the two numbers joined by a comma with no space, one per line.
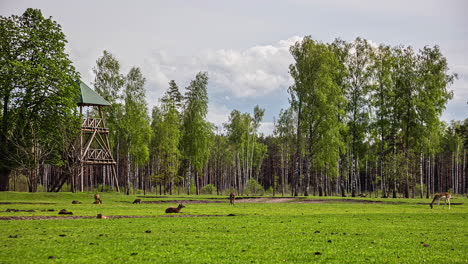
(442,196)
(100,216)
(76,202)
(137,201)
(65,212)
(171,210)
(97,199)
(232,198)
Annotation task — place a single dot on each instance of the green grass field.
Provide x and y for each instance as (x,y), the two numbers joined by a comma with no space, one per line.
(293,231)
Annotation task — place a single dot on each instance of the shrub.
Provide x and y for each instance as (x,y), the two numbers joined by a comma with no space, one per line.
(193,187)
(269,191)
(254,188)
(208,189)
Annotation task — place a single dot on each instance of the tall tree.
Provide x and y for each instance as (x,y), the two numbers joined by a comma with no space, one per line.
(382,98)
(356,84)
(135,124)
(318,98)
(109,83)
(169,135)
(197,132)
(284,131)
(38,86)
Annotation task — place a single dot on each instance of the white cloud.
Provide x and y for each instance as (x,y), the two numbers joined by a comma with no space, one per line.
(255,71)
(218,114)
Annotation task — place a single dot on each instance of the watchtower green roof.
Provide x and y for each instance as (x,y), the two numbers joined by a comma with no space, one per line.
(88,97)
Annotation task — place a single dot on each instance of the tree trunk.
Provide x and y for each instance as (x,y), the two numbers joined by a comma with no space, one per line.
(428,176)
(307,175)
(421,182)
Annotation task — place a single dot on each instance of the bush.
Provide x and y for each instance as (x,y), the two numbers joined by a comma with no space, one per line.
(193,187)
(41,188)
(208,189)
(269,191)
(254,188)
(19,183)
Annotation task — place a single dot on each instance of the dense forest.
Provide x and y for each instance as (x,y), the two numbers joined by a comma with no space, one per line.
(363,119)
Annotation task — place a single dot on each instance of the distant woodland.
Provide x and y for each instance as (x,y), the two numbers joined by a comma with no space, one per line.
(363,120)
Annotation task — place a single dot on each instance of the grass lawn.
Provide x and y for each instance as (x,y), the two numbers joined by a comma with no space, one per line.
(283,232)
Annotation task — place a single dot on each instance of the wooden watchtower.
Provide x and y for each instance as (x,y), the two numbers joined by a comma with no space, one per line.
(94,137)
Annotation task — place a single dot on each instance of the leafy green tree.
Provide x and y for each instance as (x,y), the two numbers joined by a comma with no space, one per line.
(318,99)
(197,132)
(358,62)
(284,131)
(109,83)
(38,87)
(169,138)
(382,98)
(136,130)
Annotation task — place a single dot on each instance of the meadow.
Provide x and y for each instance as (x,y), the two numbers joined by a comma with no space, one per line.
(209,230)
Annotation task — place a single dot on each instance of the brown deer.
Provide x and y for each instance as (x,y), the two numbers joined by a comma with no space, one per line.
(65,212)
(97,199)
(76,202)
(100,216)
(232,198)
(439,196)
(137,201)
(171,210)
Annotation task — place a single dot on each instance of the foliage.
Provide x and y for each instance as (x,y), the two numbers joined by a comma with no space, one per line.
(318,99)
(253,188)
(38,90)
(208,189)
(135,122)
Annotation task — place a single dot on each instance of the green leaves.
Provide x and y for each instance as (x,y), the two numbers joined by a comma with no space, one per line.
(317,98)
(38,87)
(197,132)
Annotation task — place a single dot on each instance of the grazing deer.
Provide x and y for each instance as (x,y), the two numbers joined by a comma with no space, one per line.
(363,195)
(97,199)
(137,201)
(232,198)
(439,196)
(174,209)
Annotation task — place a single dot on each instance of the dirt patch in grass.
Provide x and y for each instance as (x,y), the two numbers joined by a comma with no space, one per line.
(265,200)
(91,217)
(24,203)
(183,201)
(254,199)
(346,201)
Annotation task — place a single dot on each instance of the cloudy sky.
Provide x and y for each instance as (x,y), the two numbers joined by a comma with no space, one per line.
(243,44)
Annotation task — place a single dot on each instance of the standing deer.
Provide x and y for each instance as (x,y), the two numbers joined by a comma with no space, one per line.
(174,209)
(97,199)
(232,198)
(439,196)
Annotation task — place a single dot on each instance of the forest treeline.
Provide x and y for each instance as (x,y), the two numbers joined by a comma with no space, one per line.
(363,118)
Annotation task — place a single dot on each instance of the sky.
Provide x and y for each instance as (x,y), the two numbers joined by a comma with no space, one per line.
(244,44)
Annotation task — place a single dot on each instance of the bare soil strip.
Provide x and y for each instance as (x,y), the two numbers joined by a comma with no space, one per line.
(24,203)
(91,217)
(183,201)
